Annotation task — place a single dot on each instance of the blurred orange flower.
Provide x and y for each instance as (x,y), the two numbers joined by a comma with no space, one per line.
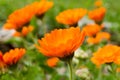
(52,62)
(92,29)
(71,16)
(61,43)
(22,16)
(2,64)
(92,40)
(98,3)
(19,18)
(99,37)
(107,54)
(43,6)
(103,35)
(13,56)
(16,34)
(118,69)
(25,30)
(97,14)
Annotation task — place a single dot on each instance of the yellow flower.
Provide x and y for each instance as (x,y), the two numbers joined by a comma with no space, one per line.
(61,43)
(71,16)
(107,54)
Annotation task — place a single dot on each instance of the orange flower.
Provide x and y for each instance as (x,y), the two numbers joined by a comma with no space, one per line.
(43,6)
(107,54)
(13,56)
(61,43)
(99,37)
(52,61)
(102,35)
(25,30)
(117,59)
(22,16)
(92,40)
(9,25)
(16,34)
(10,57)
(19,18)
(92,29)
(98,3)
(97,14)
(118,69)
(71,16)
(2,64)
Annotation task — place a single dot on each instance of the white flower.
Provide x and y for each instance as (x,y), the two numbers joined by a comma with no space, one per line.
(83,73)
(75,60)
(85,21)
(6,34)
(79,53)
(61,70)
(107,24)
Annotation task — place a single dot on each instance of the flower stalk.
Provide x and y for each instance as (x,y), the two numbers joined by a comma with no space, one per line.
(69,63)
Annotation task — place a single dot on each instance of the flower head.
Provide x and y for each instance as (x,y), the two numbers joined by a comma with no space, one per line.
(10,57)
(43,6)
(99,37)
(97,14)
(71,16)
(107,54)
(22,16)
(2,64)
(25,30)
(52,61)
(61,42)
(103,35)
(13,56)
(92,29)
(19,18)
(98,3)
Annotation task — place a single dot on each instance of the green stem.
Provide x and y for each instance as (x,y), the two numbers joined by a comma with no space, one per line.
(69,63)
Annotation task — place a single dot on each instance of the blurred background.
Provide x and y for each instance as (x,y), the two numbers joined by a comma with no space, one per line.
(112,16)
(33,64)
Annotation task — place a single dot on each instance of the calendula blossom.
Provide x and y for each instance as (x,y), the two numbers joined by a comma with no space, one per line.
(107,54)
(52,62)
(2,64)
(92,29)
(98,3)
(25,30)
(97,14)
(99,37)
(71,16)
(11,57)
(61,43)
(22,16)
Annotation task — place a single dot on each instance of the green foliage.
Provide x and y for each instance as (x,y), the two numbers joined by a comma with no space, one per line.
(33,65)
